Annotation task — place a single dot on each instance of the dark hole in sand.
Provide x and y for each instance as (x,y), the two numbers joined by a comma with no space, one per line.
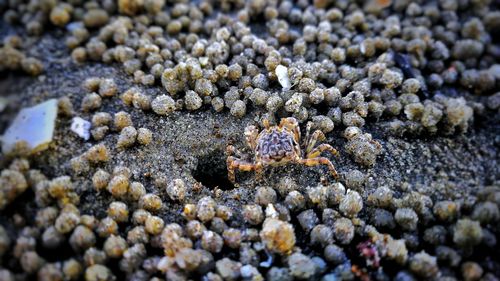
(212,171)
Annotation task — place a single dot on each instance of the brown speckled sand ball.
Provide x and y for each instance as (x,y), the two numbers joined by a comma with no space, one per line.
(253,214)
(137,235)
(322,235)
(352,204)
(82,238)
(189,211)
(217,104)
(95,18)
(65,106)
(32,66)
(471,271)
(163,105)
(136,190)
(212,241)
(424,265)
(107,88)
(128,96)
(238,109)
(98,272)
(205,209)
(118,211)
(50,271)
(228,269)
(144,136)
(118,186)
(31,262)
(151,202)
(79,54)
(106,227)
(99,133)
(278,236)
(193,101)
(301,266)
(467,233)
(100,179)
(115,246)
(72,269)
(232,238)
(140,100)
(59,16)
(446,210)
(101,119)
(195,229)
(66,222)
(406,218)
(91,102)
(121,120)
(79,165)
(265,195)
(343,230)
(139,216)
(176,190)
(154,225)
(89,221)
(127,137)
(51,238)
(94,256)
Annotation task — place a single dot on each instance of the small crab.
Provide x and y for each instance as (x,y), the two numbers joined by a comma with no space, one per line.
(280,145)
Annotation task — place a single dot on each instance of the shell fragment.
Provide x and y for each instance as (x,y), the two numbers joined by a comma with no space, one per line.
(282,74)
(34,126)
(81,127)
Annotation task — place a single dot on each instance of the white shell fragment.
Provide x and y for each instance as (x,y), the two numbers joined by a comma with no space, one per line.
(282,74)
(81,127)
(34,125)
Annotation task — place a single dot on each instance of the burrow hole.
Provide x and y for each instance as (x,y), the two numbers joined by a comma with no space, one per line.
(212,171)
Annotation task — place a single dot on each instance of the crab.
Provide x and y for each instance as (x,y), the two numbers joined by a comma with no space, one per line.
(280,145)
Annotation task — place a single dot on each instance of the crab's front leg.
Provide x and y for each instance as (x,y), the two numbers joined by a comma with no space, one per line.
(320,161)
(234,164)
(308,134)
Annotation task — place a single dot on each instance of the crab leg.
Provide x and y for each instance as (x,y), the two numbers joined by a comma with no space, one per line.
(234,163)
(311,142)
(320,148)
(308,133)
(320,161)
